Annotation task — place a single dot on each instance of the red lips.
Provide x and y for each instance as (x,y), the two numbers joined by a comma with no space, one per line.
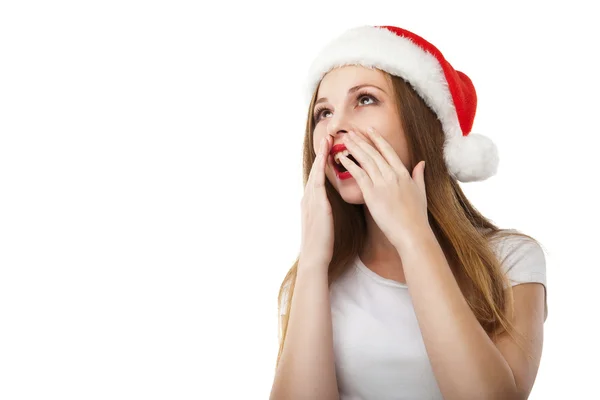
(337,148)
(340,175)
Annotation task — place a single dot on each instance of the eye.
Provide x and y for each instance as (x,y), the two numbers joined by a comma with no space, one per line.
(319,111)
(367,96)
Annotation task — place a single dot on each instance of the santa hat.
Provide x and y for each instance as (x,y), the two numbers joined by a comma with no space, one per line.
(448,92)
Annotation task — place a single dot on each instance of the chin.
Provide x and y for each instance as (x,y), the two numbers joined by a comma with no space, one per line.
(349,191)
(353,198)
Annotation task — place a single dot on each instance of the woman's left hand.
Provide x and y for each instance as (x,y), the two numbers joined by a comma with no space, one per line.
(397,202)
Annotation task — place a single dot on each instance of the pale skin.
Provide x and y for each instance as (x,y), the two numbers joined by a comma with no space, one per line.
(466,362)
(338,115)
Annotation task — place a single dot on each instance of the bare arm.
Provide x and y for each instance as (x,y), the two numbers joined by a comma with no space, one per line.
(307,369)
(495,371)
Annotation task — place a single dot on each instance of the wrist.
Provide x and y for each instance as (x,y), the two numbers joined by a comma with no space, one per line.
(415,237)
(313,266)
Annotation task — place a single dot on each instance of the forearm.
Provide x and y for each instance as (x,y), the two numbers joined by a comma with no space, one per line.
(307,368)
(466,363)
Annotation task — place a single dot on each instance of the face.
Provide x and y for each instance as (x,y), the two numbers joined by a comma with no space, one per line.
(339,107)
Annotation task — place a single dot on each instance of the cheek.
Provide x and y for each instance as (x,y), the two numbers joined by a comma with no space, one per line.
(401,151)
(395,137)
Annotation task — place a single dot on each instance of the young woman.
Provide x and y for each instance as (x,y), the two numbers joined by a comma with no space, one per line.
(402,289)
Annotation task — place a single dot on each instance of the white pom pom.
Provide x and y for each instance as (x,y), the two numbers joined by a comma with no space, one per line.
(471,158)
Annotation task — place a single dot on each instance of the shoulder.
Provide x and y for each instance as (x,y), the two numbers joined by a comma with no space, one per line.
(522,258)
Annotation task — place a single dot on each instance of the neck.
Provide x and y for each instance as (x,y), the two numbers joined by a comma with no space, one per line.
(378,252)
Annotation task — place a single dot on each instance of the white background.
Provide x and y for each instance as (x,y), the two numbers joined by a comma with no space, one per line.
(150,181)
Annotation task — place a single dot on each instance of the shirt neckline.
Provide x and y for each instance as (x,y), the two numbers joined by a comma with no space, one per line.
(375,276)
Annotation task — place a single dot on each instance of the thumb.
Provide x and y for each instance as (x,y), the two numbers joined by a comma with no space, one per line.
(419,176)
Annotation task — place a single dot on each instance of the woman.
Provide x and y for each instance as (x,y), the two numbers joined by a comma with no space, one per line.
(402,289)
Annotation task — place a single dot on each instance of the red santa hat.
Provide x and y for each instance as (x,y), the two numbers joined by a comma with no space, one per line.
(448,92)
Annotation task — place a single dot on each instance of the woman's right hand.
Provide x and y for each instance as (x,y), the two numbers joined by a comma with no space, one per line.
(317,218)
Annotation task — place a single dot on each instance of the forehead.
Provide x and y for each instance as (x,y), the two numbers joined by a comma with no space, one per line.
(343,78)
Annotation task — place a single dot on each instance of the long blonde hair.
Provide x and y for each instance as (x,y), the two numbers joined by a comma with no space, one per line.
(462,231)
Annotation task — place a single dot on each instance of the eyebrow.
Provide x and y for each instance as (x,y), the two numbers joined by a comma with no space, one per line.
(352,90)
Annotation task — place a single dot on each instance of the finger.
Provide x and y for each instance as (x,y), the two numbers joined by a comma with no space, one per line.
(361,177)
(321,163)
(386,150)
(419,177)
(369,159)
(313,172)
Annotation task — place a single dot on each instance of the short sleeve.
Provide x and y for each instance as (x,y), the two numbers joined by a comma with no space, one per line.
(523,261)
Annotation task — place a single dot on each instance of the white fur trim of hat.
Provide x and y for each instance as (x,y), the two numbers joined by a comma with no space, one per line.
(448,92)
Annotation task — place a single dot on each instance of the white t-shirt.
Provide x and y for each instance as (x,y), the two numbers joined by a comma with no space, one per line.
(378,346)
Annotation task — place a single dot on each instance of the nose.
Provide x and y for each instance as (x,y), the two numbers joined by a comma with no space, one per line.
(338,124)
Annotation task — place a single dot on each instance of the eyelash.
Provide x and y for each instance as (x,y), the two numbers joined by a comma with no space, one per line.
(319,110)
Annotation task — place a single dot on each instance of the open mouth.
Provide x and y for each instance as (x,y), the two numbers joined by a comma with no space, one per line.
(339,167)
(340,171)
